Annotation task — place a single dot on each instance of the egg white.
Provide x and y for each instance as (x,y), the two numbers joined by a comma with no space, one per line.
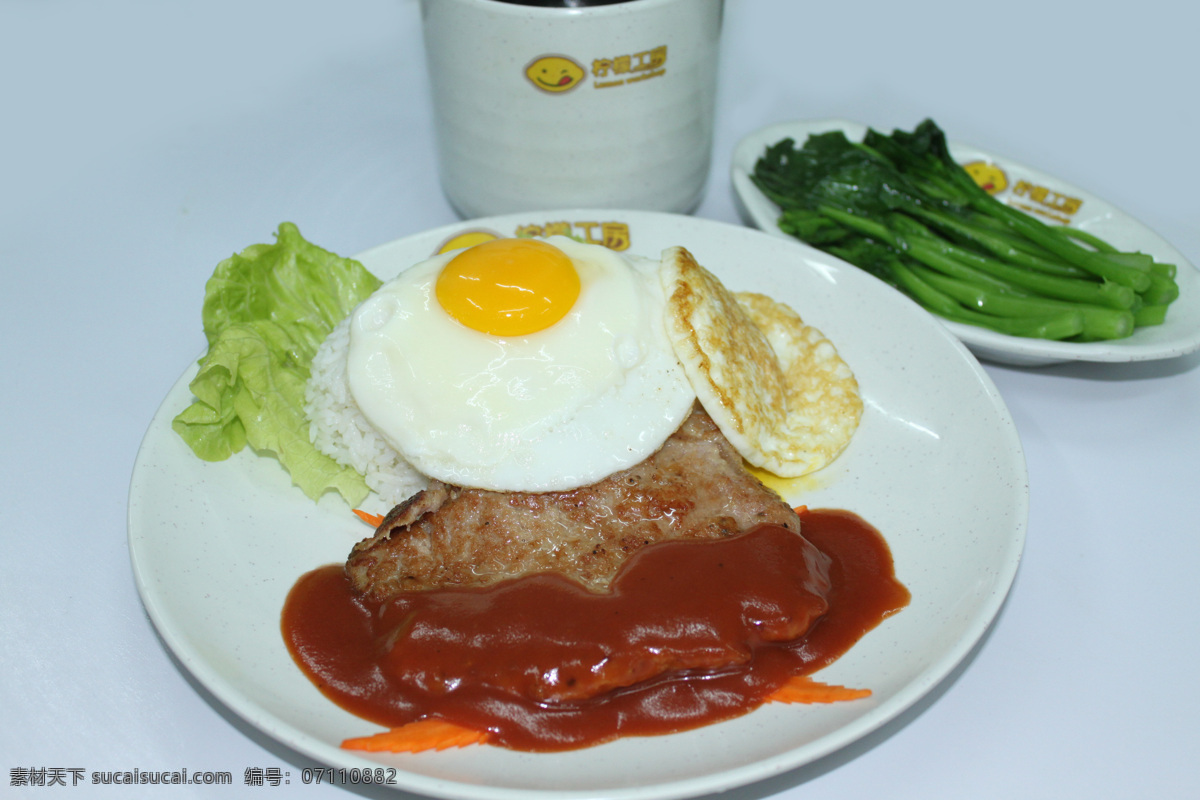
(597,392)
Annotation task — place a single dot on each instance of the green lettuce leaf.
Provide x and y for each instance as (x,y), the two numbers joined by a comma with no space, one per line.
(266,311)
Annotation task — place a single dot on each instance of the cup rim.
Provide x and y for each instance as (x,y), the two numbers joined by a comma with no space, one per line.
(517,9)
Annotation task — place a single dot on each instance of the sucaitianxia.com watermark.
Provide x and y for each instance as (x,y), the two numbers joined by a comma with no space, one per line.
(251,776)
(79,776)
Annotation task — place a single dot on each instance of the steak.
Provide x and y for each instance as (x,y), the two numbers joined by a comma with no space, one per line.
(694,487)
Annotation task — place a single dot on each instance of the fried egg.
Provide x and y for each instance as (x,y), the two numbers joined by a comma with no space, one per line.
(776,387)
(519,365)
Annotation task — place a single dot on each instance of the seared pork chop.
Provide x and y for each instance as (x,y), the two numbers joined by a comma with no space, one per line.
(694,487)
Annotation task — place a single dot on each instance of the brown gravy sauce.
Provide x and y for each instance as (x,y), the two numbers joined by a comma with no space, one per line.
(544,664)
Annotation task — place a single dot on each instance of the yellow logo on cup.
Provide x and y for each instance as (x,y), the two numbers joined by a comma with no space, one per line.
(630,68)
(555,74)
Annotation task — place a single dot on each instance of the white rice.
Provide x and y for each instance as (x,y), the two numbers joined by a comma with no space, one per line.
(339,430)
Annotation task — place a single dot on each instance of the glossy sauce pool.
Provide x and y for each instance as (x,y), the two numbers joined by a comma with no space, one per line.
(691,633)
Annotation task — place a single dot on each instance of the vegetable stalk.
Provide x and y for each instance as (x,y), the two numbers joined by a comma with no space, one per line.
(899,206)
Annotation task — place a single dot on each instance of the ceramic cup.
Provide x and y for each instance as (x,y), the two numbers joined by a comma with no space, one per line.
(559,106)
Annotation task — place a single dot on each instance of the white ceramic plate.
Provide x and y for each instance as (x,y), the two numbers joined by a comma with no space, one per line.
(1179,335)
(936,465)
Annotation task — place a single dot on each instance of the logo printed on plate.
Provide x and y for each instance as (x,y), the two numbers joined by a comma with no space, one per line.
(613,234)
(1025,195)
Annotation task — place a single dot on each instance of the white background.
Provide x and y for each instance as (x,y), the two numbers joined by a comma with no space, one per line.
(143,142)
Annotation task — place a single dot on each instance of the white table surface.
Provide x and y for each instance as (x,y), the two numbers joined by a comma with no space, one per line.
(142,142)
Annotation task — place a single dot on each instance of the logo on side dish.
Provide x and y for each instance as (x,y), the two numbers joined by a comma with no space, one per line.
(989,177)
(1025,195)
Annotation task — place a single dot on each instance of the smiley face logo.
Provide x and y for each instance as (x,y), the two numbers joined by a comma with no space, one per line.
(989,177)
(554,74)
(466,239)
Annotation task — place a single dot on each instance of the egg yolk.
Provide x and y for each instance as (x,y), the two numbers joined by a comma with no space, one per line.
(508,287)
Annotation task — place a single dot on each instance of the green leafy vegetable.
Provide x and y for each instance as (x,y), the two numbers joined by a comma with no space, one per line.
(266,311)
(899,207)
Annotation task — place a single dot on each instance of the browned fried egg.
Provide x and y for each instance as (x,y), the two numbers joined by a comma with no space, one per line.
(775,386)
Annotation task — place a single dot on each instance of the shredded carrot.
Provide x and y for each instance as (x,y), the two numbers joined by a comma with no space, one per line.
(415,737)
(434,734)
(800,510)
(802,689)
(371,519)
